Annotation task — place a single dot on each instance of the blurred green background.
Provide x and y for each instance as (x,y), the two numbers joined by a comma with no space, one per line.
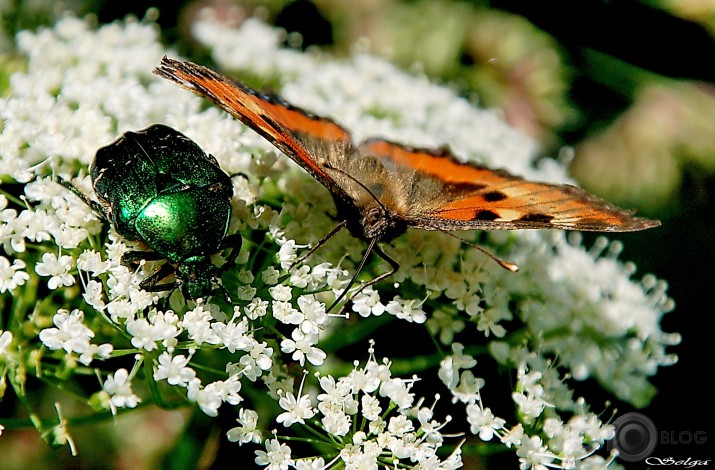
(623,90)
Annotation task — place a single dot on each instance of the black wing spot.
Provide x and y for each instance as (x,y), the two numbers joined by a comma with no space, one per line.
(485,215)
(540,218)
(494,196)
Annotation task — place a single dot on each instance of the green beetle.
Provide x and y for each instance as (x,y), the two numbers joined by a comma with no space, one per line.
(158,186)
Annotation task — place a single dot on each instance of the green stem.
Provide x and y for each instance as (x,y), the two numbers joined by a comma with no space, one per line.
(620,76)
(96,417)
(402,367)
(483,448)
(20,393)
(12,198)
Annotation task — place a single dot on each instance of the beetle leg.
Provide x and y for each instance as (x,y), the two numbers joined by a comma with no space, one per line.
(239,173)
(234,242)
(150,284)
(133,256)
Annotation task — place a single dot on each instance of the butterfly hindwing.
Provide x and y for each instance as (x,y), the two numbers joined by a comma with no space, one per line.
(476,197)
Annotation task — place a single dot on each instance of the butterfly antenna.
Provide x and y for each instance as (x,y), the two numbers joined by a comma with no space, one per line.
(359,183)
(504,264)
(370,247)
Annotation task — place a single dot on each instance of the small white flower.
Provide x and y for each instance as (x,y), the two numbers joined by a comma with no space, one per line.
(398,391)
(314,316)
(71,334)
(58,269)
(37,225)
(281,293)
(297,409)
(257,360)
(533,454)
(208,398)
(246,432)
(482,421)
(246,293)
(324,274)
(121,309)
(198,324)
(256,308)
(514,436)
(286,254)
(370,407)
(552,426)
(300,277)
(144,335)
(5,340)
(310,464)
(400,425)
(245,276)
(175,369)
(119,387)
(529,405)
(367,302)
(94,295)
(270,276)
(302,347)
(337,396)
(226,390)
(93,351)
(409,310)
(275,457)
(91,261)
(336,423)
(12,275)
(234,335)
(284,312)
(449,366)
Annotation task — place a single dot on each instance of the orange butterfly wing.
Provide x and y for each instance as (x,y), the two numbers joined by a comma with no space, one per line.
(304,137)
(476,197)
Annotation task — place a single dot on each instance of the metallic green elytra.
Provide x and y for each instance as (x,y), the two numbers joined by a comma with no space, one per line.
(158,186)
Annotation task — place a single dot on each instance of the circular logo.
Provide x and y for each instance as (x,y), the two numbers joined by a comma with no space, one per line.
(636,437)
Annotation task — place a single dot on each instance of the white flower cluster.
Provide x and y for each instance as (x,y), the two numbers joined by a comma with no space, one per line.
(83,87)
(372,417)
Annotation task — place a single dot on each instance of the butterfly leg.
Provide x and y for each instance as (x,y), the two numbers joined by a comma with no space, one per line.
(320,243)
(394,266)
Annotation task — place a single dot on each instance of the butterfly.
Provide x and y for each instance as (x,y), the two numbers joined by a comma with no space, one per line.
(381,188)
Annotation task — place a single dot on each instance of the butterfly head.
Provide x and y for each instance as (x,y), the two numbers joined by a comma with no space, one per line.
(378,223)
